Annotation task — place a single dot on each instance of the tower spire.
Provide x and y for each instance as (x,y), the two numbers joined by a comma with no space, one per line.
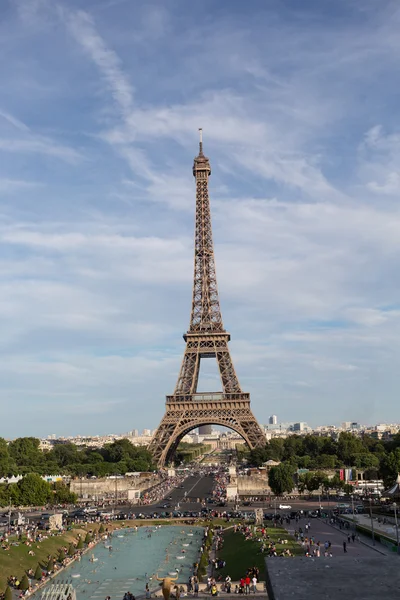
(201,141)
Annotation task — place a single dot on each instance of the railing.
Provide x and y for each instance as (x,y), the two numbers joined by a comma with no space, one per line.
(209,397)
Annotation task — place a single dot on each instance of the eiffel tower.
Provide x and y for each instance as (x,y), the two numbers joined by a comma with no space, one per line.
(186,409)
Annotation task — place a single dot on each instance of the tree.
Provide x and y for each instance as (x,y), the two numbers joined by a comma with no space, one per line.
(71,550)
(79,545)
(348,445)
(50,564)
(25,451)
(280,478)
(38,573)
(326,461)
(365,460)
(7,465)
(63,495)
(8,595)
(390,467)
(65,455)
(24,583)
(101,528)
(61,555)
(88,538)
(33,490)
(336,482)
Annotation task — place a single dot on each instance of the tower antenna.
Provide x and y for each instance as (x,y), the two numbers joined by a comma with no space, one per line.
(201,140)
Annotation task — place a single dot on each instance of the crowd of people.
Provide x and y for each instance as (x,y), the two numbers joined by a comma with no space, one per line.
(31,536)
(219,488)
(260,534)
(161,489)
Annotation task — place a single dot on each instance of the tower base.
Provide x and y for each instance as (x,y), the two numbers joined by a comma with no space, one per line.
(183,414)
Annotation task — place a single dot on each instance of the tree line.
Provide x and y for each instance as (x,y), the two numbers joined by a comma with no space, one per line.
(32,490)
(379,459)
(23,455)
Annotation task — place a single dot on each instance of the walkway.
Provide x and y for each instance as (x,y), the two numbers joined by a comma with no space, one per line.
(323,532)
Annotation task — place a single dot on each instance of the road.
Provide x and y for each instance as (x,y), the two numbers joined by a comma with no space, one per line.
(194,486)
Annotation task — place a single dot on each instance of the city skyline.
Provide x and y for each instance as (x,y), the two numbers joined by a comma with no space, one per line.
(98,130)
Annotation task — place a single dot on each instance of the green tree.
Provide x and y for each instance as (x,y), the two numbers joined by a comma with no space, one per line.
(348,445)
(24,583)
(79,545)
(280,478)
(336,483)
(326,461)
(38,573)
(26,453)
(65,455)
(101,528)
(390,467)
(33,490)
(71,550)
(50,565)
(88,538)
(62,494)
(365,460)
(7,465)
(61,555)
(8,594)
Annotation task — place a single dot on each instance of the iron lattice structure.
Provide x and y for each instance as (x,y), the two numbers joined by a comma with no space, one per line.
(186,409)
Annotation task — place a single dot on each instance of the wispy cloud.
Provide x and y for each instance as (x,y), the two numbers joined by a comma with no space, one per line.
(13,121)
(299,111)
(40,146)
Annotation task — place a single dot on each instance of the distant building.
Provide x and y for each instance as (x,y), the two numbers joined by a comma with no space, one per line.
(299,426)
(273,420)
(146,433)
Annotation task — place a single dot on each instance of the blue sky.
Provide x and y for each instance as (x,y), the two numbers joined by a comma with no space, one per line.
(100,104)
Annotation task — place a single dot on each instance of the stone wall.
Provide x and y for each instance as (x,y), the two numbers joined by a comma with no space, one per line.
(92,488)
(252,485)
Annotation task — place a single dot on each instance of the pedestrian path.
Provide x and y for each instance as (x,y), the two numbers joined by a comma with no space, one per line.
(323,532)
(362,539)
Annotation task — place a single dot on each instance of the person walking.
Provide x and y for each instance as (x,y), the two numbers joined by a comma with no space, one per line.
(254,581)
(344,547)
(349,538)
(353,537)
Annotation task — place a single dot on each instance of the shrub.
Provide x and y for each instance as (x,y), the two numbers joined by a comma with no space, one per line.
(38,573)
(24,583)
(8,595)
(50,564)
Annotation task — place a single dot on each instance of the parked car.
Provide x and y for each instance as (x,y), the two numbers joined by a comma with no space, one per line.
(285,507)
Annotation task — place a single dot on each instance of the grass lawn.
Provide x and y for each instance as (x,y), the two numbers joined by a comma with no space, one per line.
(17,561)
(240,554)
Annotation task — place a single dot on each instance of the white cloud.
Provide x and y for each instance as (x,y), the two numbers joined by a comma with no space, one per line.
(96,260)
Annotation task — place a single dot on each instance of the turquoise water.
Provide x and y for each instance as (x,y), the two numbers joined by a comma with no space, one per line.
(135,558)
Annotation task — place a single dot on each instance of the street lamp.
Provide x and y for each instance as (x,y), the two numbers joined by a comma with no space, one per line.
(397,527)
(372,523)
